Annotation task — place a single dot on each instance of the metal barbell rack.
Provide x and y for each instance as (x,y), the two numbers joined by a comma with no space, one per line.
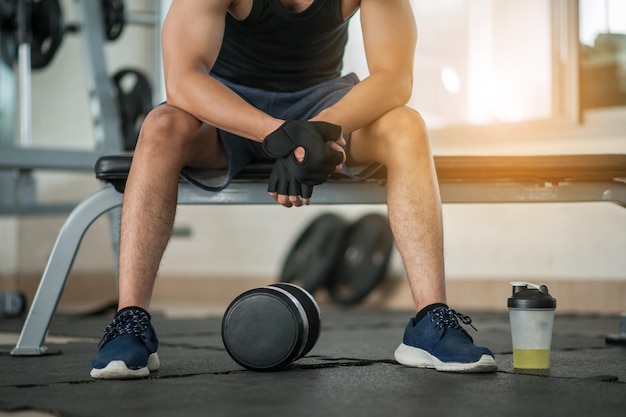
(18,157)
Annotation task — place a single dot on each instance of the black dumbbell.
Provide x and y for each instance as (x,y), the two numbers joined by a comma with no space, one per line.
(267,328)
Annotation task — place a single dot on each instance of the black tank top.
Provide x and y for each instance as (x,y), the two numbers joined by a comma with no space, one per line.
(275,49)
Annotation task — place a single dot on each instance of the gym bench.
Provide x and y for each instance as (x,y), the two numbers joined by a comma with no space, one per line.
(462,179)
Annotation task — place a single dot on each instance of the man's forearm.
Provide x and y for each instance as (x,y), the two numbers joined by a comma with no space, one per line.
(212,102)
(368,100)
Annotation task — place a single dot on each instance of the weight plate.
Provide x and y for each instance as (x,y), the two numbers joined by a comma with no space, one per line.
(8,44)
(366,254)
(12,304)
(47,31)
(314,253)
(261,331)
(133,95)
(8,10)
(114,18)
(312,311)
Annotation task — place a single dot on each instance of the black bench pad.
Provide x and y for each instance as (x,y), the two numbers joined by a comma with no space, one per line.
(114,168)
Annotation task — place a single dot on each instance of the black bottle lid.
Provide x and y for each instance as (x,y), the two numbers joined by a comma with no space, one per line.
(535,297)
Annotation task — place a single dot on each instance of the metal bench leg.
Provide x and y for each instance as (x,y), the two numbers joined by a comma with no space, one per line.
(55,275)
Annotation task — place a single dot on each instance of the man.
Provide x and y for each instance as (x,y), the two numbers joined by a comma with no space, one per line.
(249,80)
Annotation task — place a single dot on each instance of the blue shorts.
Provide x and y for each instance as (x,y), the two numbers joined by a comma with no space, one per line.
(299,105)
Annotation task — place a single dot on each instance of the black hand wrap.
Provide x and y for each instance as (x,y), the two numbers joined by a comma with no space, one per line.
(319,159)
(283,182)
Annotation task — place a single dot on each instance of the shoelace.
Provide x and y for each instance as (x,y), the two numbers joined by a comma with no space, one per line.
(135,322)
(449,318)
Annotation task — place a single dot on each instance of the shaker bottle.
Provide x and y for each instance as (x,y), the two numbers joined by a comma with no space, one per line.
(531,313)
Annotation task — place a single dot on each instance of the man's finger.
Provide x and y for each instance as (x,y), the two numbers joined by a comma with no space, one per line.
(283,199)
(293,188)
(306,191)
(328,131)
(336,147)
(334,157)
(295,200)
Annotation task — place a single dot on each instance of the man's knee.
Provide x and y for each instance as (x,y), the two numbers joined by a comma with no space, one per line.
(166,127)
(402,134)
(403,124)
(166,121)
(399,133)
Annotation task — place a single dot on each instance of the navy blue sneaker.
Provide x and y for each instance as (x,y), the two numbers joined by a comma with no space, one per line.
(128,348)
(438,341)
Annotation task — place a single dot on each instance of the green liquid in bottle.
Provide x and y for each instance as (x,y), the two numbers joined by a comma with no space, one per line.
(531,358)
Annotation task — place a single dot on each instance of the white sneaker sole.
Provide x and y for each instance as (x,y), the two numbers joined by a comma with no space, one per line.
(119,370)
(419,358)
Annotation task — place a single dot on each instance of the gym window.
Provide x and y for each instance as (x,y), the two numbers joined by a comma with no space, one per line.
(602,35)
(487,65)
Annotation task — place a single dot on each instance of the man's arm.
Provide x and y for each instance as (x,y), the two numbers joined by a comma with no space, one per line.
(389,34)
(191,40)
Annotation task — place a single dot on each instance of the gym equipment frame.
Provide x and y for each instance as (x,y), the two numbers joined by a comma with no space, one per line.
(18,159)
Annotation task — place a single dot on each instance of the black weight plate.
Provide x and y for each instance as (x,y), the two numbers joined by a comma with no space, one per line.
(312,310)
(114,18)
(8,27)
(314,253)
(8,10)
(8,44)
(263,330)
(366,254)
(46,34)
(48,29)
(12,304)
(134,100)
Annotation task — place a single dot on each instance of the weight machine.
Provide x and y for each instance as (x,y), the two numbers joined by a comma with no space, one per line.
(31,34)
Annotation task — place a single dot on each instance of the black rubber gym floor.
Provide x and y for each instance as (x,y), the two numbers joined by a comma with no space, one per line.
(350,372)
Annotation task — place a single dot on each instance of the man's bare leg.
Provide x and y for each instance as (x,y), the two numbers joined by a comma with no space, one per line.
(170,139)
(433,338)
(399,141)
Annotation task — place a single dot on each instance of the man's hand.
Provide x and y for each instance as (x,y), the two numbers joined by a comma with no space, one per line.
(319,160)
(285,189)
